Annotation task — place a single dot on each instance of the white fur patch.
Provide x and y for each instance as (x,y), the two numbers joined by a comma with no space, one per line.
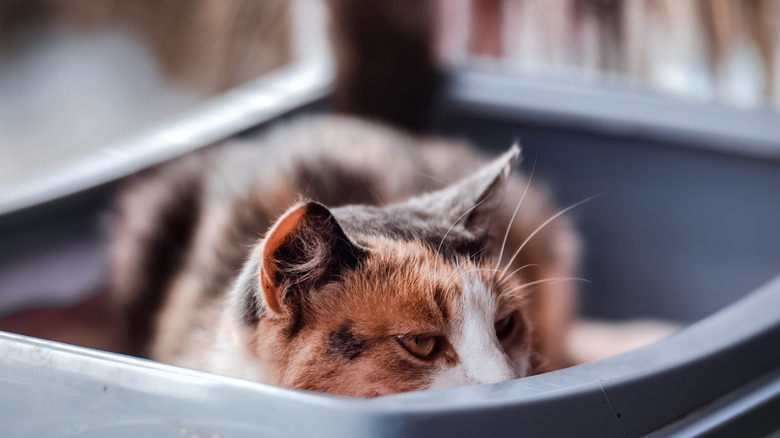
(482,358)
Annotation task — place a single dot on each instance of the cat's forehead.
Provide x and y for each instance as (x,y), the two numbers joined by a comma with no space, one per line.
(404,287)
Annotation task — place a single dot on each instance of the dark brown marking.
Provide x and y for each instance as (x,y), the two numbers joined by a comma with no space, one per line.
(297,313)
(441,303)
(343,342)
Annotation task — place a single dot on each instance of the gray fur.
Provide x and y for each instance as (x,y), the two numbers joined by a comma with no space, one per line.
(462,211)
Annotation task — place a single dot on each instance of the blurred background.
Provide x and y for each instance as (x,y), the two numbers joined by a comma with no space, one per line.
(78,74)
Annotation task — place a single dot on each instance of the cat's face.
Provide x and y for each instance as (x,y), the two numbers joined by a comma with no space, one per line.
(388,300)
(393,326)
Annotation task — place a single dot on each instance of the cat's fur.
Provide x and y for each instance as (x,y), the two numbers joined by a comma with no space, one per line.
(230,261)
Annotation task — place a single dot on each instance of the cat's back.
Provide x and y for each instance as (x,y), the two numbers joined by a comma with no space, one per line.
(185,228)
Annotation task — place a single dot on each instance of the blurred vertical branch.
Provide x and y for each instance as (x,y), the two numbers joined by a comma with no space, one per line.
(386,64)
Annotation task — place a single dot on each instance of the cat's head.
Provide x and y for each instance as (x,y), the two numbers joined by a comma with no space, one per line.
(373,300)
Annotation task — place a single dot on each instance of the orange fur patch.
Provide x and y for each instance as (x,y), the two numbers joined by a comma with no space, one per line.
(280,232)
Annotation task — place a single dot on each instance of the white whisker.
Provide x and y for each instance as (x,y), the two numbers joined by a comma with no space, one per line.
(468,271)
(515,305)
(539,228)
(480,270)
(505,279)
(457,269)
(511,221)
(546,280)
(458,265)
(436,258)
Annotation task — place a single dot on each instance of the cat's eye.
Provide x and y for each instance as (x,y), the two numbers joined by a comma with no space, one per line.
(419,345)
(504,326)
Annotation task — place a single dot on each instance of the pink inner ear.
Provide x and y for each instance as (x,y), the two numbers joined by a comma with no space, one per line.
(278,235)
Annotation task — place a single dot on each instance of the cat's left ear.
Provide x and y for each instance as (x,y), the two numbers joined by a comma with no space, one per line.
(472,200)
(305,249)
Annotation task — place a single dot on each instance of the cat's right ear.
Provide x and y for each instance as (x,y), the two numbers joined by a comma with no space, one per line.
(470,203)
(305,249)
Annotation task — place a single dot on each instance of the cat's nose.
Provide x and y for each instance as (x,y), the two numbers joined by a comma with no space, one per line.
(493,367)
(495,376)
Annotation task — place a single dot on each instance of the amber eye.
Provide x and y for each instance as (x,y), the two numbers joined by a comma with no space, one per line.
(418,345)
(504,326)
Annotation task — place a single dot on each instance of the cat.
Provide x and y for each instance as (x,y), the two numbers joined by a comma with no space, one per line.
(344,256)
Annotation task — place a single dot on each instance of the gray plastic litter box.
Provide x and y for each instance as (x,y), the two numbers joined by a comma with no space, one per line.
(687,229)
